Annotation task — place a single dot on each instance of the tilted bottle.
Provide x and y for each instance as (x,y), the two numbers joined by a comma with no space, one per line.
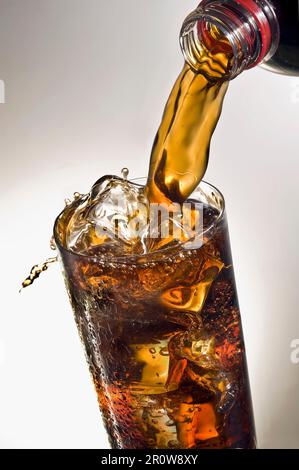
(259,32)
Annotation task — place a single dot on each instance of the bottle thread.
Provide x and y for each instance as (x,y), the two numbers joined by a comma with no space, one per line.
(251,29)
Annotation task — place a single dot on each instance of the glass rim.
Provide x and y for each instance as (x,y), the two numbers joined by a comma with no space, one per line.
(160,255)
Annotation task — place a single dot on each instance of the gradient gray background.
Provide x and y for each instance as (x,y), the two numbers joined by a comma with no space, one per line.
(86,83)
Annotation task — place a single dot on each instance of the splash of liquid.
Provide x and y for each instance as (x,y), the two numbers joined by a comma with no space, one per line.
(36,271)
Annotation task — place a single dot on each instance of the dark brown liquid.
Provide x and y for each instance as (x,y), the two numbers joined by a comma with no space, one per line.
(164,344)
(36,271)
(180,152)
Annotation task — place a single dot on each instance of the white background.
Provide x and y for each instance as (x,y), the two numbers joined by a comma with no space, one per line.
(86,82)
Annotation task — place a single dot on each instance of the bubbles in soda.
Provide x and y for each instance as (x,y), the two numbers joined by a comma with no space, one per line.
(161,329)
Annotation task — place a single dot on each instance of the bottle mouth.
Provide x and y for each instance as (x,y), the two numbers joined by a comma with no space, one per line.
(250,32)
(195,40)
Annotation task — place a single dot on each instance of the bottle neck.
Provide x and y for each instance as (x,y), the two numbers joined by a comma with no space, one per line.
(249,27)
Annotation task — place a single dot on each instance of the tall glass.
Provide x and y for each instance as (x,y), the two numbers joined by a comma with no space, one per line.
(163,339)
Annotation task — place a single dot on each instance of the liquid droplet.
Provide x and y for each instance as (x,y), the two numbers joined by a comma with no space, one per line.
(36,271)
(52,243)
(125,173)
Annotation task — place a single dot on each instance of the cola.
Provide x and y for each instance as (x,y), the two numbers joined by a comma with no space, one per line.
(161,330)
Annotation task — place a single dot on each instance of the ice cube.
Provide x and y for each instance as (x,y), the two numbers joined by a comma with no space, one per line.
(154,361)
(115,213)
(193,353)
(161,427)
(195,422)
(190,294)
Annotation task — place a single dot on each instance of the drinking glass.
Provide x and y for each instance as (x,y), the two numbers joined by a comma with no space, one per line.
(163,338)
